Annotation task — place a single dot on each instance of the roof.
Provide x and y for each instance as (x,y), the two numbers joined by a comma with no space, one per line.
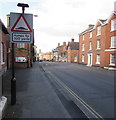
(4,29)
(102,22)
(73,45)
(87,30)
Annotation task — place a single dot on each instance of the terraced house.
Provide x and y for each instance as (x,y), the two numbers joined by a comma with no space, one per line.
(97,44)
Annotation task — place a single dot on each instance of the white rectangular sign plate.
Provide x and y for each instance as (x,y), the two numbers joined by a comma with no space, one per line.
(21,37)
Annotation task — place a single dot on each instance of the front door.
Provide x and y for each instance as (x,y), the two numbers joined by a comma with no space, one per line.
(89,59)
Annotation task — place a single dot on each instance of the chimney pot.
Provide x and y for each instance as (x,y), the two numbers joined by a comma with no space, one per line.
(72,40)
(91,26)
(58,44)
(64,43)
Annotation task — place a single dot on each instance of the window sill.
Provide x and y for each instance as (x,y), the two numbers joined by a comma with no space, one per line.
(112,30)
(98,49)
(98,35)
(112,47)
(97,63)
(112,65)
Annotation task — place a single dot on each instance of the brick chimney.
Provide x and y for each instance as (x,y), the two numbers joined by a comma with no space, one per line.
(91,26)
(58,44)
(64,43)
(72,40)
(8,20)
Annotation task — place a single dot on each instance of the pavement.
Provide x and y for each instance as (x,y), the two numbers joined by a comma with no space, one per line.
(36,97)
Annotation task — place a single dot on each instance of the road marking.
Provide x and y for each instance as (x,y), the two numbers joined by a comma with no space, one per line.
(90,109)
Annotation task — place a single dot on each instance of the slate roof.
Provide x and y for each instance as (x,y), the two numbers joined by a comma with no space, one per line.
(87,30)
(103,22)
(73,45)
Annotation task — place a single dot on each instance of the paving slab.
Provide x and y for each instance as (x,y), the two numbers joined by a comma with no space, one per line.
(36,97)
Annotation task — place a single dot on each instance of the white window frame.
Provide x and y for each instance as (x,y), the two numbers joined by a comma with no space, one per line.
(113,42)
(98,59)
(90,35)
(98,45)
(2,59)
(83,58)
(90,45)
(113,24)
(112,56)
(75,58)
(83,47)
(98,30)
(20,45)
(83,37)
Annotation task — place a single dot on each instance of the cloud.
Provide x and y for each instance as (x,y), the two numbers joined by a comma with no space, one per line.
(60,20)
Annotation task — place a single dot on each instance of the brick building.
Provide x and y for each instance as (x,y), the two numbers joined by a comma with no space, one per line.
(47,56)
(63,53)
(4,63)
(97,44)
(4,48)
(73,51)
(23,55)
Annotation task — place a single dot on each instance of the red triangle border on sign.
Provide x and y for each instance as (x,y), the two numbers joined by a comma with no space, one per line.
(21,15)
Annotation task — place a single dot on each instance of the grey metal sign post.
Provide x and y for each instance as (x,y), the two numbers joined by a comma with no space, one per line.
(21,26)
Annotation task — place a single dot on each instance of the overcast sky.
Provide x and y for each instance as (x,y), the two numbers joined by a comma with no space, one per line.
(59,20)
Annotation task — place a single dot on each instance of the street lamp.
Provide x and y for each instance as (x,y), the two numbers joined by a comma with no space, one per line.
(23,5)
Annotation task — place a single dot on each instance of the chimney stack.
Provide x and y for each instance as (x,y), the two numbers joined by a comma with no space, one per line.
(8,20)
(64,43)
(91,26)
(58,44)
(115,6)
(72,40)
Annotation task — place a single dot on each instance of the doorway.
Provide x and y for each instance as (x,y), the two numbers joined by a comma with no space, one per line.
(89,59)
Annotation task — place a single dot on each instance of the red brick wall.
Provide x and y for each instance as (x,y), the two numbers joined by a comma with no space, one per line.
(26,52)
(5,42)
(104,38)
(71,54)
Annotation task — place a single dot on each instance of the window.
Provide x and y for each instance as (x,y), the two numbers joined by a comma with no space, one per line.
(2,53)
(98,30)
(90,35)
(113,24)
(90,45)
(83,37)
(82,58)
(98,59)
(83,47)
(20,45)
(75,58)
(98,44)
(113,59)
(113,42)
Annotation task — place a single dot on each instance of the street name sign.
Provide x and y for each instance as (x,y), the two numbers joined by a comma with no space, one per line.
(21,28)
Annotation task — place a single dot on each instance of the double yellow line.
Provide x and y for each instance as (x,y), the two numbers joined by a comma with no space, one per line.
(85,105)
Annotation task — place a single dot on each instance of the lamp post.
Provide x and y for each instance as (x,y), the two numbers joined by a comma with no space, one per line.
(23,6)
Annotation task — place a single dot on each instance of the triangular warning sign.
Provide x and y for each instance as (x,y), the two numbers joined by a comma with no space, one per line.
(21,25)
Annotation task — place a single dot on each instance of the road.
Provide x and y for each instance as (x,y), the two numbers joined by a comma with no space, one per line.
(90,88)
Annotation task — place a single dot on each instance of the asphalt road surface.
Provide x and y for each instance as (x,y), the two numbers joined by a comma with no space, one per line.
(90,88)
